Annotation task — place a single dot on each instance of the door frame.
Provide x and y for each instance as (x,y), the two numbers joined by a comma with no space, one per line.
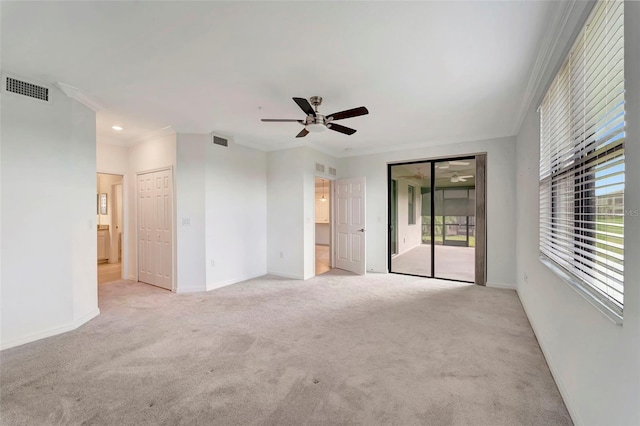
(125,268)
(173,222)
(331,222)
(118,203)
(480,275)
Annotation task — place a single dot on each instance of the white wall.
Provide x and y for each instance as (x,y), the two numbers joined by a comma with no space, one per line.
(500,201)
(409,236)
(236,214)
(190,212)
(154,153)
(222,219)
(104,183)
(49,272)
(113,159)
(285,212)
(596,363)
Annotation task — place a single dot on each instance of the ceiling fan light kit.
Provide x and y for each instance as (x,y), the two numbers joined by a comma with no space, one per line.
(316,123)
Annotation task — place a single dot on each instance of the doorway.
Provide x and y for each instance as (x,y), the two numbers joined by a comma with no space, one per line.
(110,228)
(323,225)
(436,216)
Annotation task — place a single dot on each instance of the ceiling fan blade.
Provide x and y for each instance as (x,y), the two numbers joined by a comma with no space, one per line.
(459,163)
(305,106)
(442,166)
(465,177)
(280,120)
(355,112)
(341,129)
(302,134)
(461,179)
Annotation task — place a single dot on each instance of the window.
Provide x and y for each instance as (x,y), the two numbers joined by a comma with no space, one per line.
(412,205)
(582,168)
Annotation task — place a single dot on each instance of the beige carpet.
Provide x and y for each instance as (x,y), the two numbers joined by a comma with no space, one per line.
(334,350)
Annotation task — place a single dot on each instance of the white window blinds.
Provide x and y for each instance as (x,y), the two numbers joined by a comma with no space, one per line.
(582,133)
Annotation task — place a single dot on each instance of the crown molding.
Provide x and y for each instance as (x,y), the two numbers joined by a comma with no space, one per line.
(556,22)
(78,95)
(152,134)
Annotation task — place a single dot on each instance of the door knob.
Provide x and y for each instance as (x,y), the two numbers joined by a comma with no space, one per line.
(361,230)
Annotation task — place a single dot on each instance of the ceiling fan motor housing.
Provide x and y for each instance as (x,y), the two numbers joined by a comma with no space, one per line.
(315,124)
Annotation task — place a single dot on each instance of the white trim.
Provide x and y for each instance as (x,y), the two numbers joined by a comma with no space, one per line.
(185,290)
(232,281)
(283,275)
(78,95)
(450,142)
(554,372)
(167,130)
(52,331)
(251,145)
(132,277)
(556,22)
(502,286)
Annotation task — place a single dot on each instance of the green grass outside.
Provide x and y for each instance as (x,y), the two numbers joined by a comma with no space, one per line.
(472,239)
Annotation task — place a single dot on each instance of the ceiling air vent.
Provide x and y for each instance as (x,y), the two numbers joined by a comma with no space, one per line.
(333,171)
(13,85)
(319,167)
(217,140)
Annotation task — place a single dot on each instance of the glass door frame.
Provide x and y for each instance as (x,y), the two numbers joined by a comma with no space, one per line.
(392,227)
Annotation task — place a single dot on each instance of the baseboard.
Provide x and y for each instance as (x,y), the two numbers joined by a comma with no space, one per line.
(181,290)
(225,283)
(554,373)
(52,331)
(283,275)
(501,285)
(132,277)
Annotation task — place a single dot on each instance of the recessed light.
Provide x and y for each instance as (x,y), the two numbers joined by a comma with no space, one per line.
(116,128)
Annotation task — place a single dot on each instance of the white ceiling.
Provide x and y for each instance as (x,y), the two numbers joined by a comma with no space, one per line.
(429,72)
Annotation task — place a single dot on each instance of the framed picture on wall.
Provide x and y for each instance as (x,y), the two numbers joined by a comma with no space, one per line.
(102,203)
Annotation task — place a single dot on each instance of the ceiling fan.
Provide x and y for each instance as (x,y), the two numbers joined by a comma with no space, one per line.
(447,164)
(315,122)
(455,178)
(418,175)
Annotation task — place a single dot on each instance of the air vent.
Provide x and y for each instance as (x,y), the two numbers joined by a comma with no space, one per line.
(24,88)
(319,167)
(332,171)
(220,141)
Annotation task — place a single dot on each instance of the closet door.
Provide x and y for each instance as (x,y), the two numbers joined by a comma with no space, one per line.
(155,228)
(146,225)
(163,229)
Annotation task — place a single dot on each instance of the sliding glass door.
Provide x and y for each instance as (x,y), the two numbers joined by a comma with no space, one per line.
(432,227)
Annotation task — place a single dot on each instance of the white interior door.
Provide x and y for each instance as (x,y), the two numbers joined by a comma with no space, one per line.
(155,228)
(350,241)
(163,228)
(145,228)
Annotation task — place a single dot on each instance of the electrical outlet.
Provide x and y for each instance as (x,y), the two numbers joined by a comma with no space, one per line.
(526,277)
(281,255)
